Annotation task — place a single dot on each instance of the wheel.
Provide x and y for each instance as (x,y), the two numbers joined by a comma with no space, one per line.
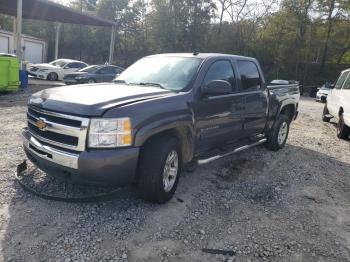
(159,169)
(52,76)
(277,137)
(343,131)
(325,112)
(91,81)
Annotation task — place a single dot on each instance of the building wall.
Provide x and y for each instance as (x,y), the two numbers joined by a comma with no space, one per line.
(35,50)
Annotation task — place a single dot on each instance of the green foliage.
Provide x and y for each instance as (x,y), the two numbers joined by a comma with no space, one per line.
(291,40)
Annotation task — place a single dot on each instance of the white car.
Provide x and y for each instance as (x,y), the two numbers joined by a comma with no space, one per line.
(56,69)
(338,104)
(322,93)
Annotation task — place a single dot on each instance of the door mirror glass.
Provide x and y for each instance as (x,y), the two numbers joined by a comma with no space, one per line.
(217,87)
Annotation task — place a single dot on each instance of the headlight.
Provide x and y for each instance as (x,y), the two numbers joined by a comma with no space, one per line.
(110,132)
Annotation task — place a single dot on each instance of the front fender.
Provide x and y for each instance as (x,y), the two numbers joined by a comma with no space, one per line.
(159,126)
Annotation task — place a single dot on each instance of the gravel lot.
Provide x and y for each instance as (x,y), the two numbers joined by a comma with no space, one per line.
(291,205)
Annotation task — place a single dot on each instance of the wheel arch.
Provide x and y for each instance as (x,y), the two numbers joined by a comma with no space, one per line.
(288,110)
(180,126)
(182,133)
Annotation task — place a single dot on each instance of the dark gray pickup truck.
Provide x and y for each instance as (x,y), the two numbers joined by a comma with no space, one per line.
(162,112)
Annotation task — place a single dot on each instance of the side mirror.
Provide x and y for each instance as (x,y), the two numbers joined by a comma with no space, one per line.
(331,86)
(217,87)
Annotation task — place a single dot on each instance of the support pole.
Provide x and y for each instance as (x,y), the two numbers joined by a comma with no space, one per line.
(19,30)
(58,28)
(111,47)
(14,45)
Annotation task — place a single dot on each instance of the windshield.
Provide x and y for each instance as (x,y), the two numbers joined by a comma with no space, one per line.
(60,63)
(173,73)
(89,69)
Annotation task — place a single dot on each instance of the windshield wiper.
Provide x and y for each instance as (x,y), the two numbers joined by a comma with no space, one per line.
(151,84)
(119,81)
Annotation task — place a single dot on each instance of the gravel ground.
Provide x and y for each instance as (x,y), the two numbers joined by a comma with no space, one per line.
(291,205)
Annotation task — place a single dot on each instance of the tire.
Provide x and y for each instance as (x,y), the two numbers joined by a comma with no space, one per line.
(277,137)
(324,113)
(91,81)
(154,161)
(343,131)
(52,76)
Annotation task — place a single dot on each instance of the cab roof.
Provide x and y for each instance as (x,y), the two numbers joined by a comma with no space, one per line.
(202,55)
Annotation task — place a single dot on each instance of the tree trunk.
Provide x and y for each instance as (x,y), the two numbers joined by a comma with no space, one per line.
(329,30)
(222,15)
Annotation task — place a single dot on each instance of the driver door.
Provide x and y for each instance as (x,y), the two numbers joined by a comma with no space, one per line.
(218,117)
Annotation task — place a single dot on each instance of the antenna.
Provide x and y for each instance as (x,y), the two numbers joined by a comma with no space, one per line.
(195,52)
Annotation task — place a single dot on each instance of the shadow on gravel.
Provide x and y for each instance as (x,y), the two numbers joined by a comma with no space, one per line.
(36,229)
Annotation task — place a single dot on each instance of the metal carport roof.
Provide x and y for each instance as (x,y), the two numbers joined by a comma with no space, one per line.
(50,11)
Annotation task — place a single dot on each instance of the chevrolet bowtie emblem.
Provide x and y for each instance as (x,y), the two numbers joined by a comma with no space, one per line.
(40,123)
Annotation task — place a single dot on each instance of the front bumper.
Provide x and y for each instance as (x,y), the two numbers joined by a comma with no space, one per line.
(38,74)
(102,167)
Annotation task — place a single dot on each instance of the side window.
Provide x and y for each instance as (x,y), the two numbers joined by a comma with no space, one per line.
(220,70)
(106,70)
(81,65)
(109,70)
(102,70)
(116,70)
(347,82)
(341,80)
(76,65)
(250,76)
(69,65)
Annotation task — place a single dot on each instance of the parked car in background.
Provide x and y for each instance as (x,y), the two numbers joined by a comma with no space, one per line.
(93,74)
(323,92)
(56,69)
(338,104)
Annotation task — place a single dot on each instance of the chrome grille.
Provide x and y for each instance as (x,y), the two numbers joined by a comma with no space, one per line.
(60,130)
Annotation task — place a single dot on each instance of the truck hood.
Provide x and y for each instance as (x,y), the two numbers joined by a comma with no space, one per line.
(93,99)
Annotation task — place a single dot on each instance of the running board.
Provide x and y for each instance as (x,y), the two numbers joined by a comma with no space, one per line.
(238,149)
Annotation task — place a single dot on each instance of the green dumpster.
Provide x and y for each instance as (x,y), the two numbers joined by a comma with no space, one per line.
(9,72)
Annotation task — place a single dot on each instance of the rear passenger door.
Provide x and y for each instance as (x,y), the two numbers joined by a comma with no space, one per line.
(218,118)
(255,97)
